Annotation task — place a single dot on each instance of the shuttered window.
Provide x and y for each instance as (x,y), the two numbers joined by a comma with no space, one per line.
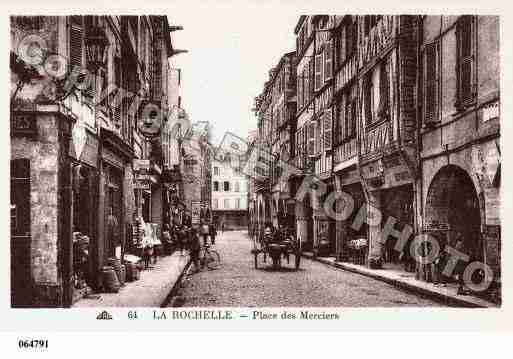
(76,33)
(328,123)
(300,91)
(384,90)
(466,90)
(350,39)
(351,118)
(319,143)
(318,72)
(369,98)
(311,139)
(328,61)
(431,83)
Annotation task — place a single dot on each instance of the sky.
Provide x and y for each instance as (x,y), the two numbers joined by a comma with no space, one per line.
(228,61)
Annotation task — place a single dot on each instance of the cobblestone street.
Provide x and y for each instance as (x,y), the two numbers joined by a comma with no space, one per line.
(237,283)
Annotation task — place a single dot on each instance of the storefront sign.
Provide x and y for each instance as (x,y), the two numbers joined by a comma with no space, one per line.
(144,185)
(90,151)
(196,212)
(141,165)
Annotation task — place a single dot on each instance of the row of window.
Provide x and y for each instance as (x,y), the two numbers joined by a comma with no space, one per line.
(226,203)
(227,186)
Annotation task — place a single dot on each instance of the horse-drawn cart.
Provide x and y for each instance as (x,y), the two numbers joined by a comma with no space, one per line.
(277,246)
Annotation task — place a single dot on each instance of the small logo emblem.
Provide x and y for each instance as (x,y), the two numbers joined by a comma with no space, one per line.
(104,316)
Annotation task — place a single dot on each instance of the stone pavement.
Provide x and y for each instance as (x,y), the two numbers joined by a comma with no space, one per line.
(151,290)
(407,281)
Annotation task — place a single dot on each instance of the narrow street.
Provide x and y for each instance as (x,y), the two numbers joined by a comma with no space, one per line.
(238,283)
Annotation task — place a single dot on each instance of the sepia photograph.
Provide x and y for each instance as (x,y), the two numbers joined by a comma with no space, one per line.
(317,161)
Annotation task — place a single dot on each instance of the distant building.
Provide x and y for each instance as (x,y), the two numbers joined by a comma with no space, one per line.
(229,192)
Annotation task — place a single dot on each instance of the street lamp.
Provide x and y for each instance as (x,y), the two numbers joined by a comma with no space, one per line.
(96,44)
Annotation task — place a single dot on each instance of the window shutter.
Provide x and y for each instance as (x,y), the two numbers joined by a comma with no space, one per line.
(466,90)
(311,139)
(318,72)
(352,118)
(328,60)
(328,123)
(369,94)
(318,137)
(348,119)
(75,41)
(383,91)
(430,84)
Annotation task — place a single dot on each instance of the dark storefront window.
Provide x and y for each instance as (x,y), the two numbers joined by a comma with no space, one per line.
(20,197)
(20,234)
(113,207)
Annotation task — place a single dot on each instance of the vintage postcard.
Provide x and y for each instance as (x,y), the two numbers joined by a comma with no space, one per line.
(191,168)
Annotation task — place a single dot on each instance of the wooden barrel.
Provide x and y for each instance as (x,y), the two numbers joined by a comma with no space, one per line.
(110,280)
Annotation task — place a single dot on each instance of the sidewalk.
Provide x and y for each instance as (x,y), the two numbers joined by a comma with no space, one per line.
(151,290)
(405,280)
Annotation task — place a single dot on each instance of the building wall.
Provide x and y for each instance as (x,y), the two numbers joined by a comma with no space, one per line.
(43,155)
(467,138)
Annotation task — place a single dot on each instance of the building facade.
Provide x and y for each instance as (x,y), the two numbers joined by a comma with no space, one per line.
(399,115)
(460,163)
(88,102)
(229,193)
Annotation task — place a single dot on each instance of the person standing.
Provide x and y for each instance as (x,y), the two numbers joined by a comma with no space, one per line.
(195,248)
(112,233)
(213,233)
(460,267)
(205,231)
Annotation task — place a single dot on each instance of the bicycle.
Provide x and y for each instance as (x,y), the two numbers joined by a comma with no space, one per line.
(209,257)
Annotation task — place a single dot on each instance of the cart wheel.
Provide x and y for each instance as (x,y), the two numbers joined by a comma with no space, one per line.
(298,259)
(256,260)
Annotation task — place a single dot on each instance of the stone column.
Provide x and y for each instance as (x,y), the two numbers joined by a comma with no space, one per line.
(373,217)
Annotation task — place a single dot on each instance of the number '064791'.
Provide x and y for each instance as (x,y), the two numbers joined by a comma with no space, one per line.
(33,344)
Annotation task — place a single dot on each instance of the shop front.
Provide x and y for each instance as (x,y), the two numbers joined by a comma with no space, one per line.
(388,184)
(351,244)
(84,211)
(324,225)
(116,199)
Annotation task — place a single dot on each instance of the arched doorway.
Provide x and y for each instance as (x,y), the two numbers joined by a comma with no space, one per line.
(452,208)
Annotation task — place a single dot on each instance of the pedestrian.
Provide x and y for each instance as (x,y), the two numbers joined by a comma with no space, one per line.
(205,231)
(184,232)
(222,227)
(166,239)
(213,233)
(460,267)
(438,267)
(113,234)
(195,248)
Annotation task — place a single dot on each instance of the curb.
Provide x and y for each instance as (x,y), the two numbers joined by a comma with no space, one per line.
(170,297)
(440,297)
